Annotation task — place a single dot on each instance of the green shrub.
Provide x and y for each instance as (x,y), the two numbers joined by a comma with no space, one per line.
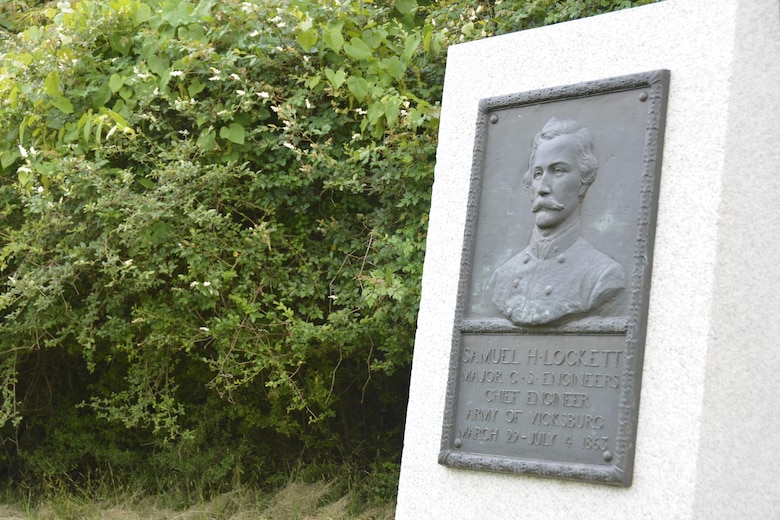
(213,226)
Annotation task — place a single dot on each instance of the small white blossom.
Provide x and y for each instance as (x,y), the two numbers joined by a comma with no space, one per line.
(204,329)
(64,7)
(40,189)
(177,73)
(23,151)
(128,263)
(240,92)
(235,77)
(254,34)
(194,283)
(206,284)
(288,145)
(263,94)
(355,136)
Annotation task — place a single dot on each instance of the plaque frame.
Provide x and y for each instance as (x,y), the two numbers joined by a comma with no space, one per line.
(652,88)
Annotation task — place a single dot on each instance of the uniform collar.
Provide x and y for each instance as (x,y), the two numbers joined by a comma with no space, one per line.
(559,241)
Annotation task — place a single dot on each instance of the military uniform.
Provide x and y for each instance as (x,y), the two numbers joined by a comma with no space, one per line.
(553,277)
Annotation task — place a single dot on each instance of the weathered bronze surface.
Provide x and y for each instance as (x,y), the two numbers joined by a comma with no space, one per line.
(549,332)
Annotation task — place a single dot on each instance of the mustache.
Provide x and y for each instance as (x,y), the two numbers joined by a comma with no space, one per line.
(549,204)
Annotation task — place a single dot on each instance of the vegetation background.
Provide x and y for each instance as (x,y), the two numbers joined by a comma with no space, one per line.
(212,228)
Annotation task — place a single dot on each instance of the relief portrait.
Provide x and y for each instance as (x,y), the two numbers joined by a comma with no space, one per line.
(559,275)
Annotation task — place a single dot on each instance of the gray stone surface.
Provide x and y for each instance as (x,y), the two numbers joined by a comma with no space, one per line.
(708,434)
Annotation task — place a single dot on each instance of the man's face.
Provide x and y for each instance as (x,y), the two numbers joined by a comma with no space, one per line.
(555,181)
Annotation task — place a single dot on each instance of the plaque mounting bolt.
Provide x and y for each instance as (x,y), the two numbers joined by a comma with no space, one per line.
(643,96)
(494,119)
(458,443)
(607,456)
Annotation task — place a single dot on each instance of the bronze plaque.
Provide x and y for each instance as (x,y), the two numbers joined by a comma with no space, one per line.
(547,351)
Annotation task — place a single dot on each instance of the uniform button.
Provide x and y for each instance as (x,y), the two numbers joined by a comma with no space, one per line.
(561,259)
(548,290)
(526,258)
(516,283)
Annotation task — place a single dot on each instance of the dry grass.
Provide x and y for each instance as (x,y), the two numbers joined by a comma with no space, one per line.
(296,501)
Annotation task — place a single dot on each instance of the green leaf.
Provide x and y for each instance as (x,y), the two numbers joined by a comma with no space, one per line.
(410,46)
(332,36)
(392,108)
(102,96)
(306,37)
(357,49)
(358,86)
(158,65)
(146,183)
(63,104)
(52,84)
(406,7)
(196,87)
(143,13)
(375,111)
(207,140)
(394,67)
(118,119)
(7,158)
(115,82)
(336,78)
(25,176)
(233,133)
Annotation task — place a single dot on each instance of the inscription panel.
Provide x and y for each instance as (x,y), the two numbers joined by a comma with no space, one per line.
(539,397)
(549,329)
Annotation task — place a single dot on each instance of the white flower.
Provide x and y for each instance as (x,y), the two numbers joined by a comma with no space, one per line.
(204,329)
(64,7)
(23,151)
(128,263)
(235,76)
(288,145)
(263,94)
(355,136)
(240,92)
(177,73)
(206,284)
(254,34)
(194,283)
(40,189)
(308,104)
